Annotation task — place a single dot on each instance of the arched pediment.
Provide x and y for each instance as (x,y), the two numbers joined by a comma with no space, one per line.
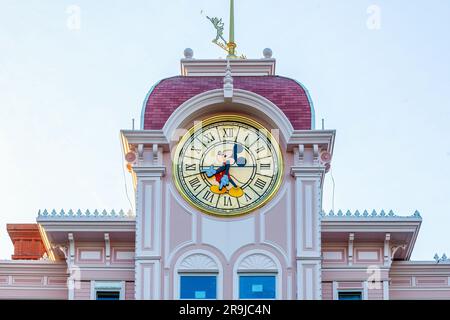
(198,261)
(245,102)
(257,261)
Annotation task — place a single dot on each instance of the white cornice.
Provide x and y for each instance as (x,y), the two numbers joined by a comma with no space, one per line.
(419,263)
(33,263)
(308,171)
(110,268)
(216,67)
(56,224)
(154,171)
(369,224)
(59,231)
(352,268)
(32,267)
(323,138)
(419,268)
(375,225)
(145,137)
(88,226)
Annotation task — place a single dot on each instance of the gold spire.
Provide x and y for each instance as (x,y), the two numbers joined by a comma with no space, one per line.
(231,44)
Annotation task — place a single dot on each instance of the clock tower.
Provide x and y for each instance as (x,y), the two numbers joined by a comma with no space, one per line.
(228,172)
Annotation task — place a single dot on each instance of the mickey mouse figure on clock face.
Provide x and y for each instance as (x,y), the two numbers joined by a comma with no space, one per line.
(222,174)
(227,166)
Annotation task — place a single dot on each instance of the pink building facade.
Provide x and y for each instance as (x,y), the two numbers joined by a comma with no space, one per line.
(170,248)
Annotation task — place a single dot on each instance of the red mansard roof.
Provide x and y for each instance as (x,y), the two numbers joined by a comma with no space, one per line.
(286,93)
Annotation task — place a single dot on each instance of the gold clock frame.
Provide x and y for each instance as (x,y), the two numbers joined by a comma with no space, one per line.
(218,119)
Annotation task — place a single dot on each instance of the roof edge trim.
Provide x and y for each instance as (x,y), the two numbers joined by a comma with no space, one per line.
(311,104)
(144,104)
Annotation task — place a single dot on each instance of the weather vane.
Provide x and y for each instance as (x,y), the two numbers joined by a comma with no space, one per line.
(228,46)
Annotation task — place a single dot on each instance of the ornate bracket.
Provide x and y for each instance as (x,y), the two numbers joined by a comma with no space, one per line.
(71,255)
(107,249)
(387,257)
(351,238)
(395,248)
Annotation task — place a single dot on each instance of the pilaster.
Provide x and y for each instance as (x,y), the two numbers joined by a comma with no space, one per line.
(309,170)
(308,193)
(148,170)
(149,199)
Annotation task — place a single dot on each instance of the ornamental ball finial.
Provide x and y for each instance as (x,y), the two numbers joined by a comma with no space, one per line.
(267,52)
(188,53)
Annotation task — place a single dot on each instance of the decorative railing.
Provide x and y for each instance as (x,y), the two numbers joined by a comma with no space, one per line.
(85,215)
(366,214)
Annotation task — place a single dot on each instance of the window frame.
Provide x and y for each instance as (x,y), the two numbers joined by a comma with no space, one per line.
(197,274)
(256,274)
(108,286)
(116,292)
(360,291)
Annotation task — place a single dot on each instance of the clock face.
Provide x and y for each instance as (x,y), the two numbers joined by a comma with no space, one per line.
(228,166)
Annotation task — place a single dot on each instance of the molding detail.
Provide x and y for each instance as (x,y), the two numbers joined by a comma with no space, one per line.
(86,215)
(71,256)
(351,238)
(107,249)
(154,171)
(198,262)
(258,262)
(366,215)
(228,84)
(216,67)
(204,102)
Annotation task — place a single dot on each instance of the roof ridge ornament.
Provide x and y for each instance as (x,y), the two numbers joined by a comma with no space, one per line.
(443,259)
(229,46)
(228,83)
(366,214)
(87,214)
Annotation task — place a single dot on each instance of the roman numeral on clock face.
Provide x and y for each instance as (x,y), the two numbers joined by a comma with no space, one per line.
(208,196)
(260,183)
(260,149)
(191,167)
(228,132)
(227,202)
(198,150)
(265,166)
(195,183)
(209,137)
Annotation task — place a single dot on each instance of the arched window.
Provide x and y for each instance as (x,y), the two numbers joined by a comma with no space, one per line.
(257,277)
(199,277)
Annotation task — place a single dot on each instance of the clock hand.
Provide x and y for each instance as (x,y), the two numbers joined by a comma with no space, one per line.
(237,167)
(209,172)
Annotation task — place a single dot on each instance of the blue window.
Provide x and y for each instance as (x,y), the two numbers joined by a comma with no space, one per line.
(198,287)
(347,295)
(257,287)
(108,295)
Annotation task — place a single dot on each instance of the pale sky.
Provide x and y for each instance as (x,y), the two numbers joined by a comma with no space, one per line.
(383,84)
